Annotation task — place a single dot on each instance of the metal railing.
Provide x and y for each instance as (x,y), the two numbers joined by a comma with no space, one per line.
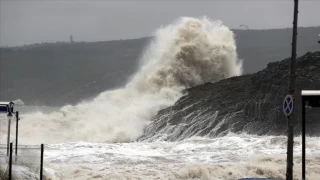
(26,164)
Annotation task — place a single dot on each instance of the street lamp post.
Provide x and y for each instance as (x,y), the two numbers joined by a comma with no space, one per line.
(9,115)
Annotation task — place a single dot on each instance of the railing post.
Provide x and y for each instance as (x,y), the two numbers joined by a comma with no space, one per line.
(10,162)
(41,162)
(17,130)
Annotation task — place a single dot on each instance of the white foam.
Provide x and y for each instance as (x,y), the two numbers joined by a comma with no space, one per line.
(186,53)
(230,157)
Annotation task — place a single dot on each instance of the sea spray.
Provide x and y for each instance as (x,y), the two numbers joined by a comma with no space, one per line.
(186,53)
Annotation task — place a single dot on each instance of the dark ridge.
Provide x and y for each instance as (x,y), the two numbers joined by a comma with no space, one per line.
(249,103)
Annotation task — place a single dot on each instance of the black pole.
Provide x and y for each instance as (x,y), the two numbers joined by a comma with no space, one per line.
(17,130)
(303,132)
(292,85)
(41,162)
(10,162)
(8,138)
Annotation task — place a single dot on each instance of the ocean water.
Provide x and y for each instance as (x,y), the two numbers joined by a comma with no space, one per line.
(226,158)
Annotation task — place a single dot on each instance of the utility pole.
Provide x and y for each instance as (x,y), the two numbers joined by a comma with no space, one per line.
(292,85)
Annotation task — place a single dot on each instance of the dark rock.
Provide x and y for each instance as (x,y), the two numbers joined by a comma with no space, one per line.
(248,103)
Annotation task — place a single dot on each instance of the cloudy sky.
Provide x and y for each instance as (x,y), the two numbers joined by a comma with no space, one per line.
(32,21)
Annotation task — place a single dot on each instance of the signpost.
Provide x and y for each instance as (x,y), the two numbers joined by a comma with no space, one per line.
(292,84)
(7,107)
(310,99)
(3,108)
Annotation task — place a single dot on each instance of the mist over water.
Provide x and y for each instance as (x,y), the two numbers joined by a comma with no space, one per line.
(186,53)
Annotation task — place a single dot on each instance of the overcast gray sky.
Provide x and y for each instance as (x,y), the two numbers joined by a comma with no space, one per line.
(32,21)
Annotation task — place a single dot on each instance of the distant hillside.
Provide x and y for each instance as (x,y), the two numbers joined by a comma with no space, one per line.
(259,47)
(58,73)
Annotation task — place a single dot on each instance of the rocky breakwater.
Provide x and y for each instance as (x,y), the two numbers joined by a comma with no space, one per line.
(249,103)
